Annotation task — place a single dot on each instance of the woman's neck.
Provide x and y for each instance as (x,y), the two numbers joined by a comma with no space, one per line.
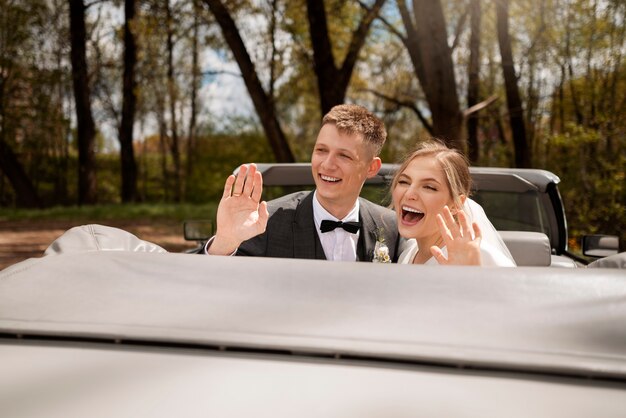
(423,254)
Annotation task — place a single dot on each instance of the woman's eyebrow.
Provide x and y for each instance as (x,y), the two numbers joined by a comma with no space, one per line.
(431,179)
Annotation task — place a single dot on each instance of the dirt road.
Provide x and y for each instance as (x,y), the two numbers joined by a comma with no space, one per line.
(24,239)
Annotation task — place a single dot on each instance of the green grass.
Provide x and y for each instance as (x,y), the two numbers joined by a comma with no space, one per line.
(143,211)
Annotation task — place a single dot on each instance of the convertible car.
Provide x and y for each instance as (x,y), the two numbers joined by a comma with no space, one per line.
(524,205)
(144,333)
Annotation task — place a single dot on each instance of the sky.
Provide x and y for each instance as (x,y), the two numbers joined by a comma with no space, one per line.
(222,96)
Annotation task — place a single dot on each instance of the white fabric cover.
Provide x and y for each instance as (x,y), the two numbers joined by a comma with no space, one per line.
(615,261)
(94,237)
(525,318)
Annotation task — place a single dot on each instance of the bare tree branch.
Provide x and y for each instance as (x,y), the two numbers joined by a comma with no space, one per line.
(459,27)
(480,106)
(221,72)
(391,28)
(333,78)
(263,105)
(404,103)
(93,3)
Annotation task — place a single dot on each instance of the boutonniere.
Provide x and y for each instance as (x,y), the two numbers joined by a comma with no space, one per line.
(381,251)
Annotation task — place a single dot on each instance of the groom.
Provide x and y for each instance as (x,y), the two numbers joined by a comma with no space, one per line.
(332,222)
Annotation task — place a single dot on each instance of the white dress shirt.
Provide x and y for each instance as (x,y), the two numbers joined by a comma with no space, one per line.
(338,244)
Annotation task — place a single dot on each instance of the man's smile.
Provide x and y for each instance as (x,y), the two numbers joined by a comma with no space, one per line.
(329,179)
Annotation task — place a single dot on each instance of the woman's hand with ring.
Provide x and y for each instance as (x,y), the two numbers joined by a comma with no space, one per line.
(461,239)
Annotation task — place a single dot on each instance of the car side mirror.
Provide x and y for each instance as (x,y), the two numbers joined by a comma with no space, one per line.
(600,245)
(198,230)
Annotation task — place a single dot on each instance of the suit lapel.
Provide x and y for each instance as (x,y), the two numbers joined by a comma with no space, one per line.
(367,236)
(306,243)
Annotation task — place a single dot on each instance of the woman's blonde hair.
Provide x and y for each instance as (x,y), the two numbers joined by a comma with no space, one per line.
(453,163)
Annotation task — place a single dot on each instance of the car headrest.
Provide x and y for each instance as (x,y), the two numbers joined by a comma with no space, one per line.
(528,248)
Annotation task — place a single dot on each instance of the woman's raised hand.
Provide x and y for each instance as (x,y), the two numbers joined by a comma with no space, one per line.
(463,246)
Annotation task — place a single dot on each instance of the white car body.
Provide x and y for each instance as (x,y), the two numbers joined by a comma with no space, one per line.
(148,334)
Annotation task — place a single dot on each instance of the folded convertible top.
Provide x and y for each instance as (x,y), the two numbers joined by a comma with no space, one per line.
(546,320)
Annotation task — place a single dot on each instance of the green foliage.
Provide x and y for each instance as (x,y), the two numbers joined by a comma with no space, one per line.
(144,211)
(33,122)
(593,183)
(217,156)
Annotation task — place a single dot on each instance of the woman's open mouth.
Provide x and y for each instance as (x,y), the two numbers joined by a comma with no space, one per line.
(411,215)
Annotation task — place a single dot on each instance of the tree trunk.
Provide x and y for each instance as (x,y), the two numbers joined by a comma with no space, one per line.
(127,152)
(163,148)
(332,80)
(173,100)
(25,194)
(610,105)
(263,104)
(533,59)
(87,193)
(193,98)
(590,80)
(473,86)
(514,102)
(570,70)
(63,133)
(427,44)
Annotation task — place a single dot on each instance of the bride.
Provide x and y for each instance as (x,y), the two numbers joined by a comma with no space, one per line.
(442,225)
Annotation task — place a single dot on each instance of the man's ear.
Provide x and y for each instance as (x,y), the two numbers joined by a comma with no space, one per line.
(374,167)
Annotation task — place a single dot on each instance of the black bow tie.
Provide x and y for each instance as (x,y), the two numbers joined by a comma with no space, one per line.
(351,227)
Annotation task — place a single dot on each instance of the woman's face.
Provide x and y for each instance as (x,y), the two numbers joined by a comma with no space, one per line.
(420,194)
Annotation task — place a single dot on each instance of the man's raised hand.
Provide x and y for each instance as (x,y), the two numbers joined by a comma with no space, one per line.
(241,214)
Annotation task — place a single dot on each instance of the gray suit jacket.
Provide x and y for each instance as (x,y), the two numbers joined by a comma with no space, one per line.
(291,233)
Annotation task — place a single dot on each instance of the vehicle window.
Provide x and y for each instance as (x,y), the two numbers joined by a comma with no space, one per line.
(377,193)
(274,192)
(510,211)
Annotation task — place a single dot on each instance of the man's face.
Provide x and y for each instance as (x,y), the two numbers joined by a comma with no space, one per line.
(341,163)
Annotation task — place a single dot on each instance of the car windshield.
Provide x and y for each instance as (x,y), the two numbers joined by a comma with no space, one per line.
(512,211)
